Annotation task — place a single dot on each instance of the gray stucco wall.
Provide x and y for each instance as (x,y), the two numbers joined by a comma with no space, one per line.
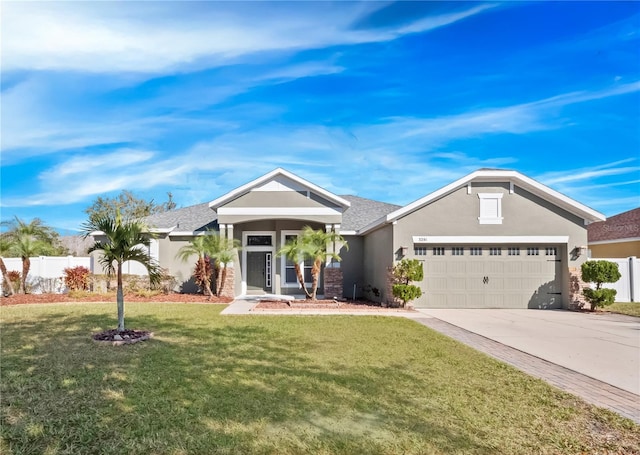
(525,214)
(377,257)
(288,199)
(351,265)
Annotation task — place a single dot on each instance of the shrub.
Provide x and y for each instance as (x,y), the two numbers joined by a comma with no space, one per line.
(600,297)
(599,272)
(77,278)
(16,278)
(404,273)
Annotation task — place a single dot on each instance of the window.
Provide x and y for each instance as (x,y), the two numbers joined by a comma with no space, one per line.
(551,251)
(495,251)
(259,240)
(290,277)
(438,251)
(514,251)
(475,251)
(490,208)
(533,251)
(457,251)
(420,251)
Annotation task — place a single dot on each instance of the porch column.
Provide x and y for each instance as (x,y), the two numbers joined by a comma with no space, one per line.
(333,282)
(230,278)
(223,231)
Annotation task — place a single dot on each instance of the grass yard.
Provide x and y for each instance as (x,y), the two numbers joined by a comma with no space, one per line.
(211,384)
(629,308)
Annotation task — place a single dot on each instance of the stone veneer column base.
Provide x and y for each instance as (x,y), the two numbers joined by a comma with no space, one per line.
(228,290)
(577,300)
(333,283)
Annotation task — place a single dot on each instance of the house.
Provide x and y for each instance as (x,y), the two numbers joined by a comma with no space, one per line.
(492,239)
(617,237)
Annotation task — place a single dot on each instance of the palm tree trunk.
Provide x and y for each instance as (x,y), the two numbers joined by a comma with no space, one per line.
(300,276)
(315,273)
(5,277)
(26,265)
(120,299)
(223,278)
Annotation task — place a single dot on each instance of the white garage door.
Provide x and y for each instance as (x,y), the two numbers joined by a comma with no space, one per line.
(528,276)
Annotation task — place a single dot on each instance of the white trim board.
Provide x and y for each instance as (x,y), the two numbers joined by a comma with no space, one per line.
(277,211)
(490,239)
(606,242)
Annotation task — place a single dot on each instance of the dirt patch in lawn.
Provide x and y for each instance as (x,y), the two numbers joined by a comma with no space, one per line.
(25,299)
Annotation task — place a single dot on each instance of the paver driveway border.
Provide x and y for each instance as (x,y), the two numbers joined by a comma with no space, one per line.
(587,387)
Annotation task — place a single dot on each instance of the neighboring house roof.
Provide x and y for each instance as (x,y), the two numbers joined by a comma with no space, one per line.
(494,175)
(363,212)
(186,220)
(273,175)
(623,226)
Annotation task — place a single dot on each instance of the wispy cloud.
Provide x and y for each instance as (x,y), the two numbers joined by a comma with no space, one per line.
(589,173)
(144,37)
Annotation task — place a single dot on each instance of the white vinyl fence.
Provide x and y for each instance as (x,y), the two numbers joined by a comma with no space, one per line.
(46,272)
(628,286)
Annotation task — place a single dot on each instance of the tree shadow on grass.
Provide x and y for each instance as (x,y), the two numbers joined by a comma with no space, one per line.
(239,385)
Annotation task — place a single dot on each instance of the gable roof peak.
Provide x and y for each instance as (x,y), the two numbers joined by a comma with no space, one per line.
(271,176)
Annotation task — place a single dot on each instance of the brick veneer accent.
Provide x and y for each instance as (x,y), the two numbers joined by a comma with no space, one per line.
(577,300)
(332,283)
(228,289)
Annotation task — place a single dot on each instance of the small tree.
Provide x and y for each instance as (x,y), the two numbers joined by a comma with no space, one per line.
(202,272)
(599,272)
(404,273)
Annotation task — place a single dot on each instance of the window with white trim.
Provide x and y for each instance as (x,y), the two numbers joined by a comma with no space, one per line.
(438,251)
(514,251)
(490,208)
(457,251)
(551,251)
(533,251)
(495,251)
(420,251)
(475,251)
(289,276)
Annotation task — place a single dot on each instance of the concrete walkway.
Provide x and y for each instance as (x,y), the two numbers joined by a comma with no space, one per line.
(558,373)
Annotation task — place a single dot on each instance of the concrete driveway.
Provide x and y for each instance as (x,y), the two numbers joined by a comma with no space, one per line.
(600,345)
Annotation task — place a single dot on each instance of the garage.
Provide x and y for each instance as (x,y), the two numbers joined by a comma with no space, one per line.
(491,276)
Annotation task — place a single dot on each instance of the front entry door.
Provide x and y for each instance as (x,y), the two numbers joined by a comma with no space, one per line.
(259,271)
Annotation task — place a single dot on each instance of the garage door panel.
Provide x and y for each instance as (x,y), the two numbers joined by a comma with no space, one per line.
(501,281)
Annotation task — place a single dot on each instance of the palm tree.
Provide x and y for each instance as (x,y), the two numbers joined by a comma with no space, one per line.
(123,242)
(314,246)
(27,240)
(199,247)
(292,250)
(222,252)
(5,249)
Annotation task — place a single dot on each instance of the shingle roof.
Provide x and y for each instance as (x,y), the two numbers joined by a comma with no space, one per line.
(200,217)
(625,225)
(193,218)
(363,212)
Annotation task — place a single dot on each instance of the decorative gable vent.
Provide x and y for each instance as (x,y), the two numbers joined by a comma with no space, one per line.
(490,208)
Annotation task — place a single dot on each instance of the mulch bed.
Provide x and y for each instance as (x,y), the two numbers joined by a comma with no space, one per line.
(127,336)
(323,305)
(25,299)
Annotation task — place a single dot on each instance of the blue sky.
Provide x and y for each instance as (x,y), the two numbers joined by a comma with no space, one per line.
(388,101)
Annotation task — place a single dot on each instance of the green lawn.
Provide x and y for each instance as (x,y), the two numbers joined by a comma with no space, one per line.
(630,308)
(211,384)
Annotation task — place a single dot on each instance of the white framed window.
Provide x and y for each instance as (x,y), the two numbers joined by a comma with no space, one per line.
(420,251)
(475,251)
(438,251)
(288,267)
(514,251)
(490,208)
(533,251)
(551,251)
(457,251)
(495,251)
